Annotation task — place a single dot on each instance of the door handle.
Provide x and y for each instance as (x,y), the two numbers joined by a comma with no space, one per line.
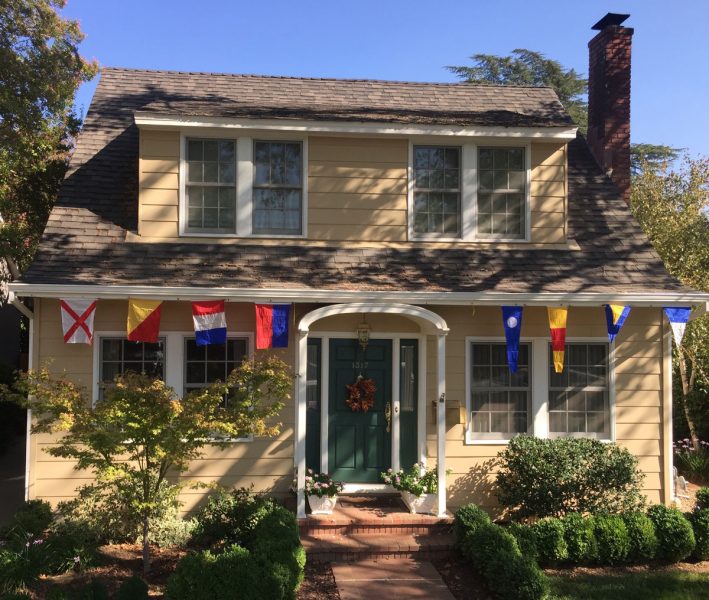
(387,416)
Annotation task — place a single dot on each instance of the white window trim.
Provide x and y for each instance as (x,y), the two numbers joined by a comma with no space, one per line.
(174,360)
(469,191)
(539,373)
(244,184)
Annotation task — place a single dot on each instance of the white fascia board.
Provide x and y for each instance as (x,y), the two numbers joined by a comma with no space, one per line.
(150,120)
(337,296)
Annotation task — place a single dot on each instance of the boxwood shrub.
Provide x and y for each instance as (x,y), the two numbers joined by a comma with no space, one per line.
(526,540)
(550,542)
(580,539)
(133,588)
(467,519)
(674,533)
(484,542)
(612,538)
(702,498)
(515,577)
(641,534)
(700,525)
(552,477)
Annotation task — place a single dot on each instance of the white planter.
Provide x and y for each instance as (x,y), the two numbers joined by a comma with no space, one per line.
(322,506)
(422,505)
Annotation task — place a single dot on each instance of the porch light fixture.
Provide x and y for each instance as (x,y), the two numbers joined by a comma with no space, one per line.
(363,331)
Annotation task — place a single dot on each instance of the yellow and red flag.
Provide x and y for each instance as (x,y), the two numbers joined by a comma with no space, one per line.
(144,320)
(557,325)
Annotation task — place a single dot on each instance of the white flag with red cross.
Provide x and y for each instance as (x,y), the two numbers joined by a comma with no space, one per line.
(78,320)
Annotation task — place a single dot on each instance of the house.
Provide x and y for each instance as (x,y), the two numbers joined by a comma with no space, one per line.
(402,215)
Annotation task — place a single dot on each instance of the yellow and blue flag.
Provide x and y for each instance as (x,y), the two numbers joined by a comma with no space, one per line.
(616,314)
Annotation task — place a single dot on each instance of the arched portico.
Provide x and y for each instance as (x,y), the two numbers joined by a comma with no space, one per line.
(430,324)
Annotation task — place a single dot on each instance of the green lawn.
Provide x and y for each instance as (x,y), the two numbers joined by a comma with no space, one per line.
(661,585)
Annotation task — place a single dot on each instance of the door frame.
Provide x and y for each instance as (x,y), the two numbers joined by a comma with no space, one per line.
(395,337)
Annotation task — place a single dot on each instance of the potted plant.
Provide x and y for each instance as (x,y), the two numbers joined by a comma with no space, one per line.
(321,491)
(418,487)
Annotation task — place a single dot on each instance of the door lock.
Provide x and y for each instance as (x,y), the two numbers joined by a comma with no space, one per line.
(387,416)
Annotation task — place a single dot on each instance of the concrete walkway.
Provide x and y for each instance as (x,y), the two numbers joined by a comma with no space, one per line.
(395,577)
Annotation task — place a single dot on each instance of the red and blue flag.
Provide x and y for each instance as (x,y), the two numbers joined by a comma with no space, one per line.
(272,325)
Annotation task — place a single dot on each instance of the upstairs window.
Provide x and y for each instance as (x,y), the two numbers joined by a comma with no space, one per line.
(211,186)
(502,182)
(436,190)
(278,188)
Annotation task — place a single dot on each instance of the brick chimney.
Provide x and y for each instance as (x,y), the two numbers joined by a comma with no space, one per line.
(609,98)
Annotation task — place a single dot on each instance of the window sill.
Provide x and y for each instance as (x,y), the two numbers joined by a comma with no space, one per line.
(260,236)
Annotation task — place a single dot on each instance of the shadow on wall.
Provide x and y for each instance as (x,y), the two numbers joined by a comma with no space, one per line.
(476,486)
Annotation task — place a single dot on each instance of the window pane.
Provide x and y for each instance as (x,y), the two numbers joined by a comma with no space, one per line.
(132,350)
(111,349)
(110,370)
(557,422)
(226,151)
(485,158)
(195,372)
(193,351)
(480,401)
(194,150)
(226,172)
(194,171)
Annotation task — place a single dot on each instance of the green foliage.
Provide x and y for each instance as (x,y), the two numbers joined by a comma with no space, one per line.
(141,431)
(700,525)
(482,544)
(552,477)
(467,519)
(321,484)
(416,480)
(515,577)
(526,67)
(33,517)
(702,498)
(526,540)
(642,537)
(651,156)
(690,461)
(230,517)
(580,538)
(42,70)
(612,537)
(550,541)
(71,546)
(133,588)
(674,533)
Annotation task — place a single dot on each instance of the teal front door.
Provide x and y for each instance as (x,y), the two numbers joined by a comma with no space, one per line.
(359,445)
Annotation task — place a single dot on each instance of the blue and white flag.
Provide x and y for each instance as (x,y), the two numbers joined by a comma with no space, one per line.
(678,317)
(209,322)
(512,322)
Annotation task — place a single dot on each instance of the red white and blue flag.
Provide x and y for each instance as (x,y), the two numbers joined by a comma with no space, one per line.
(209,322)
(272,325)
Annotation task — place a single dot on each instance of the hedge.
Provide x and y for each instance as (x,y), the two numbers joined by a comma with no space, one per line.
(674,533)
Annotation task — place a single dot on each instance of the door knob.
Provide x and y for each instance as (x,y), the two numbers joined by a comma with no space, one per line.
(387,416)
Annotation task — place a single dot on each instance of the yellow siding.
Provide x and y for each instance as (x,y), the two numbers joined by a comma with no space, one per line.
(267,463)
(357,189)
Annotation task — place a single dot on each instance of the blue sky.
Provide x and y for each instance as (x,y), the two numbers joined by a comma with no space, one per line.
(411,40)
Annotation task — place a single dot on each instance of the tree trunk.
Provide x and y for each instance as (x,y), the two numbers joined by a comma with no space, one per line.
(146,544)
(687,386)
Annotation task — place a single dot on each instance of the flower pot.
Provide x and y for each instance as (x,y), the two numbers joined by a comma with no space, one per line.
(322,506)
(422,505)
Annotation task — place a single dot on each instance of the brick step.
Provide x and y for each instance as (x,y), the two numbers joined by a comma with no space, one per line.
(314,527)
(354,547)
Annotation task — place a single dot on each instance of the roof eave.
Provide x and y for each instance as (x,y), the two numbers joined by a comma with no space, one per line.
(150,120)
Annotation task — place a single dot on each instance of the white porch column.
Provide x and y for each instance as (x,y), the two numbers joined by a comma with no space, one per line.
(441,417)
(300,417)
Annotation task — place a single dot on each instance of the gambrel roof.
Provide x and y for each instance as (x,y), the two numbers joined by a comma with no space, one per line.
(85,241)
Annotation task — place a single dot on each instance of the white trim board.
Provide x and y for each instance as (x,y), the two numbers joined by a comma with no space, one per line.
(648,300)
(162,121)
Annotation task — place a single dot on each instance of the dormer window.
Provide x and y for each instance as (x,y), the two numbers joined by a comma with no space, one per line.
(502,182)
(210,188)
(436,186)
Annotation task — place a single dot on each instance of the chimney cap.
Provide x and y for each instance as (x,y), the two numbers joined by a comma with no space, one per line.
(610,19)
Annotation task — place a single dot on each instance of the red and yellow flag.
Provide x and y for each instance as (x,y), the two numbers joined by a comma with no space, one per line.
(144,320)
(557,325)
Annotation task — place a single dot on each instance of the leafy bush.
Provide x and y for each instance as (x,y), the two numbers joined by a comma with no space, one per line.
(552,477)
(22,561)
(480,545)
(133,588)
(467,519)
(694,463)
(72,545)
(580,538)
(702,498)
(612,538)
(641,534)
(230,517)
(33,517)
(700,525)
(674,533)
(550,542)
(515,577)
(172,530)
(526,540)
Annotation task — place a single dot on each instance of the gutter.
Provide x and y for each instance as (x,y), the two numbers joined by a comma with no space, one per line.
(699,300)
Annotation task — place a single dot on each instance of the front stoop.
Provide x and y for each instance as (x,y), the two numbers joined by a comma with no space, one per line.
(367,527)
